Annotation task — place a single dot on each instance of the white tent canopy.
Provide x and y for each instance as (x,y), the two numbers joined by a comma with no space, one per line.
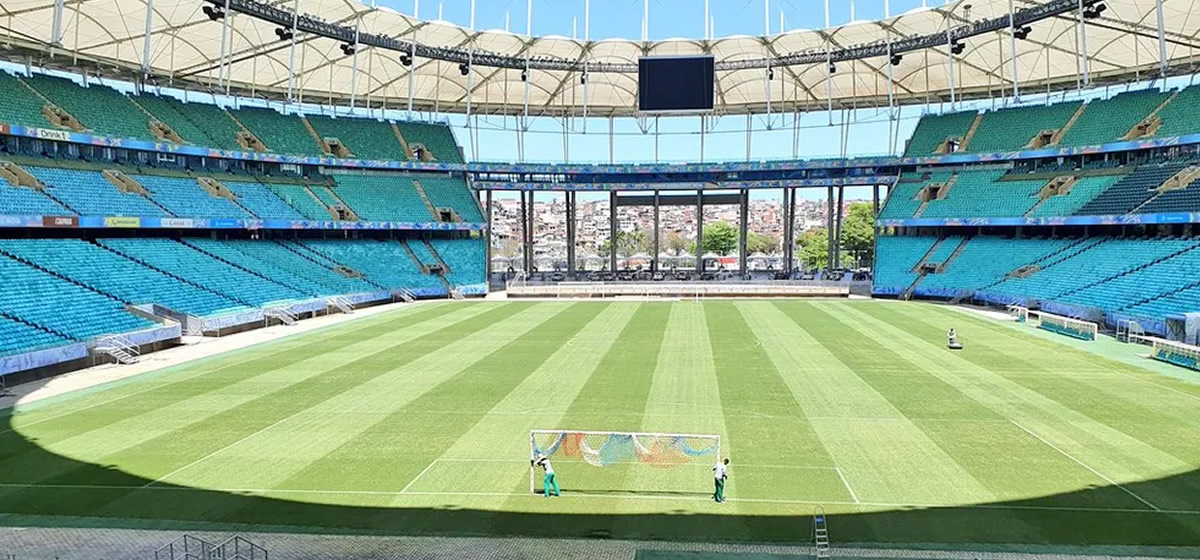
(185,47)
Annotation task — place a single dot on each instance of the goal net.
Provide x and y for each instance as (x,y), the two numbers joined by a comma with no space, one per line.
(1074,328)
(625,461)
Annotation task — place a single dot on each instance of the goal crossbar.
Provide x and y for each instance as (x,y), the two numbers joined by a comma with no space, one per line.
(601,449)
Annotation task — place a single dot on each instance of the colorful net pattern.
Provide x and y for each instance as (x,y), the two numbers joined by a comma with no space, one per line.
(600,450)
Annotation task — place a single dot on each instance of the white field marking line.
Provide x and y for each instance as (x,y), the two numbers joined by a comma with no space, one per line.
(845,482)
(270,491)
(1085,465)
(419,475)
(227,447)
(203,373)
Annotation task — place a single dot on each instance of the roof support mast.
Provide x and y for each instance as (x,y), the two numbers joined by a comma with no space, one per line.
(828,68)
(950,62)
(1083,50)
(1162,41)
(145,40)
(56,26)
(766,75)
(525,78)
(891,86)
(587,35)
(291,93)
(224,41)
(1012,43)
(354,64)
(471,84)
(412,58)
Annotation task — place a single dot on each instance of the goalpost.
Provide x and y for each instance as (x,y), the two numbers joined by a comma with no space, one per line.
(605,449)
(1074,328)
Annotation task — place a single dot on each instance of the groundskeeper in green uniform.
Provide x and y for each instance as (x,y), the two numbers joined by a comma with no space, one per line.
(720,474)
(550,481)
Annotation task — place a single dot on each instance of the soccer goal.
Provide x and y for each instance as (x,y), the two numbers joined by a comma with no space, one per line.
(625,454)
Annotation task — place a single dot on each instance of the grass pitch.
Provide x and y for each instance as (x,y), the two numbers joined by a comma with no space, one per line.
(417,422)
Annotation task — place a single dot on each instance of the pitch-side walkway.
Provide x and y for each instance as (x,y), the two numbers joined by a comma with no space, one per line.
(136,544)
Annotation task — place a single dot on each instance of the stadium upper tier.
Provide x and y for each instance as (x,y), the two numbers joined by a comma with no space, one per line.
(184,44)
(65,290)
(1104,278)
(43,187)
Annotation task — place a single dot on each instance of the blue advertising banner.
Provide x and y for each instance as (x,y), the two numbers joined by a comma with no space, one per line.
(151,222)
(1127,219)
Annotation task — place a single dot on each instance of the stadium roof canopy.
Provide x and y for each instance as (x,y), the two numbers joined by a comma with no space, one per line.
(184,48)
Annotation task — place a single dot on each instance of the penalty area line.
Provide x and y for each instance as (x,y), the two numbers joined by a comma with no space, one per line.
(1085,465)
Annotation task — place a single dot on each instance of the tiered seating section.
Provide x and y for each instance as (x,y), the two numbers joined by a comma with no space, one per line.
(382,197)
(1097,190)
(1101,121)
(57,291)
(1135,277)
(108,112)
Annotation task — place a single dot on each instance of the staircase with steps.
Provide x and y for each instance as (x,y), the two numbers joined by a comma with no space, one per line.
(1058,186)
(966,141)
(433,213)
(119,348)
(1178,181)
(821,534)
(159,129)
(1058,136)
(245,138)
(1149,125)
(341,303)
(315,136)
(219,190)
(408,250)
(282,314)
(441,262)
(127,184)
(17,176)
(350,211)
(408,153)
(957,250)
(405,295)
(54,114)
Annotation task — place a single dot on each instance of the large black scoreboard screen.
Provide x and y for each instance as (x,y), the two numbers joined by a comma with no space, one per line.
(675,84)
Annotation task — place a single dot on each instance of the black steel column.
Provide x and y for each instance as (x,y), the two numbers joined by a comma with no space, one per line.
(791,229)
(571,232)
(743,230)
(654,264)
(875,201)
(612,231)
(837,243)
(529,236)
(829,229)
(699,231)
(524,226)
(487,236)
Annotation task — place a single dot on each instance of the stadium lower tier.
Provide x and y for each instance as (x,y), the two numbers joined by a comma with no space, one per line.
(1103,279)
(59,291)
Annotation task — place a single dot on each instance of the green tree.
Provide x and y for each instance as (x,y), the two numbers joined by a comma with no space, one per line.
(813,248)
(676,244)
(628,243)
(858,234)
(720,238)
(759,243)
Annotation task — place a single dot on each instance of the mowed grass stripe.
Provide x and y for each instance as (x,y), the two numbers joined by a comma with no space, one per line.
(969,437)
(493,454)
(90,410)
(836,377)
(1106,450)
(398,446)
(165,451)
(138,419)
(1050,376)
(287,453)
(748,381)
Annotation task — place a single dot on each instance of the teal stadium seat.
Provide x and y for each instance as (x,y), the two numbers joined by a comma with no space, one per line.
(1182,115)
(17,201)
(1012,129)
(284,134)
(110,273)
(17,337)
(452,192)
(983,194)
(1109,120)
(101,109)
(298,197)
(933,130)
(383,197)
(262,201)
(438,138)
(205,271)
(90,194)
(184,197)
(897,257)
(18,105)
(466,259)
(365,138)
(73,311)
(384,263)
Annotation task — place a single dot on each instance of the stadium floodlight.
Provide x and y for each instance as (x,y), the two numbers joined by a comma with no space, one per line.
(214,13)
(406,59)
(464,69)
(896,59)
(957,48)
(567,448)
(1022,33)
